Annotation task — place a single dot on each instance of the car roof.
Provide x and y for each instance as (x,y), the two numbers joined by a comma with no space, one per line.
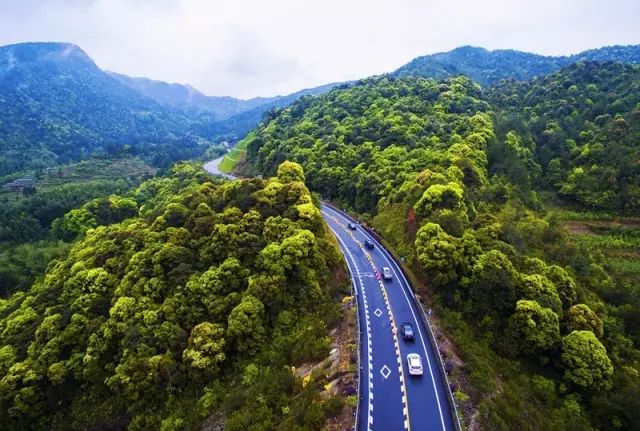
(414,359)
(406,324)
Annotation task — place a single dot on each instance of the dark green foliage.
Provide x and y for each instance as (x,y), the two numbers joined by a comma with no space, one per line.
(21,264)
(582,128)
(169,301)
(58,106)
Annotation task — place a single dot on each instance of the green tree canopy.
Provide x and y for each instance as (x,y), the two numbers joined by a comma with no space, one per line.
(585,362)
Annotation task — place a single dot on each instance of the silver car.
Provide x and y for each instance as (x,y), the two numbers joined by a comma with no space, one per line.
(386,273)
(415,364)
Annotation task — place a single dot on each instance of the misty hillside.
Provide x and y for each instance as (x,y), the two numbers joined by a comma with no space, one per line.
(488,67)
(56,105)
(189,98)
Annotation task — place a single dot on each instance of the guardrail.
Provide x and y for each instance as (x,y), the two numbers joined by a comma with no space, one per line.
(453,406)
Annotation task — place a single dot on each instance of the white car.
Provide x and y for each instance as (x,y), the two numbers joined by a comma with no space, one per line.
(415,364)
(386,273)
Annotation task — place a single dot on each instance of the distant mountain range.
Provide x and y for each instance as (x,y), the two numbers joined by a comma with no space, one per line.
(57,105)
(488,67)
(186,97)
(189,98)
(232,117)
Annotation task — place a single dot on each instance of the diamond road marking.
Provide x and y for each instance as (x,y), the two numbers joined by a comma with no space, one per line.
(378,312)
(385,371)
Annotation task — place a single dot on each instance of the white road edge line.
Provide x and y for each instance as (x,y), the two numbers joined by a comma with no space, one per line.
(351,262)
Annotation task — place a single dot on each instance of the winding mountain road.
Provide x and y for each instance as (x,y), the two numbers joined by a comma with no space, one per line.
(390,399)
(212,167)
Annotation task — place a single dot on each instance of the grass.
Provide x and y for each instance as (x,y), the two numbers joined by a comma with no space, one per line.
(611,241)
(569,215)
(232,158)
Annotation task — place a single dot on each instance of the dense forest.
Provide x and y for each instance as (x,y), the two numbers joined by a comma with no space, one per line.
(180,299)
(28,240)
(57,106)
(130,300)
(580,126)
(457,179)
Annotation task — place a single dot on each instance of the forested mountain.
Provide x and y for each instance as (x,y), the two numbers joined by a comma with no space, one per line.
(450,175)
(237,126)
(581,128)
(488,67)
(182,299)
(56,105)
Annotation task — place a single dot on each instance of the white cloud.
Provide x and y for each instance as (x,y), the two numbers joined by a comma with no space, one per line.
(248,48)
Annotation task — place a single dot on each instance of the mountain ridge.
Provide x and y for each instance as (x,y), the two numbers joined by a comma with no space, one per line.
(57,106)
(185,96)
(487,67)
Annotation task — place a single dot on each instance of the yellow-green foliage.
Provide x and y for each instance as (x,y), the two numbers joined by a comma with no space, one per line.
(446,180)
(162,303)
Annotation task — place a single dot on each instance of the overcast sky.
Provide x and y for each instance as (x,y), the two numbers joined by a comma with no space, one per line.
(266,47)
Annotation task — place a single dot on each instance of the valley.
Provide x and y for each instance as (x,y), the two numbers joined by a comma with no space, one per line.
(153,276)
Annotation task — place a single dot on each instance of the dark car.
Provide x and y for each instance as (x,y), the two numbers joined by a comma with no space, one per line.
(407,331)
(352,225)
(368,243)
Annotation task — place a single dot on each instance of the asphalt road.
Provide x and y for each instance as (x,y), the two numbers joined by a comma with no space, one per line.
(390,399)
(212,168)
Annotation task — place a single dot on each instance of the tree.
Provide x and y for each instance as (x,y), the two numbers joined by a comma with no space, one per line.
(585,362)
(206,347)
(448,196)
(534,329)
(564,283)
(245,325)
(493,284)
(289,172)
(438,254)
(539,288)
(581,318)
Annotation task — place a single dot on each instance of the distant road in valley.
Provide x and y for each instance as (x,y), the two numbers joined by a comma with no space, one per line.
(212,168)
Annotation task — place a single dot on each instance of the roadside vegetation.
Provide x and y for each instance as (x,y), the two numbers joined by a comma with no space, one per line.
(452,176)
(182,301)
